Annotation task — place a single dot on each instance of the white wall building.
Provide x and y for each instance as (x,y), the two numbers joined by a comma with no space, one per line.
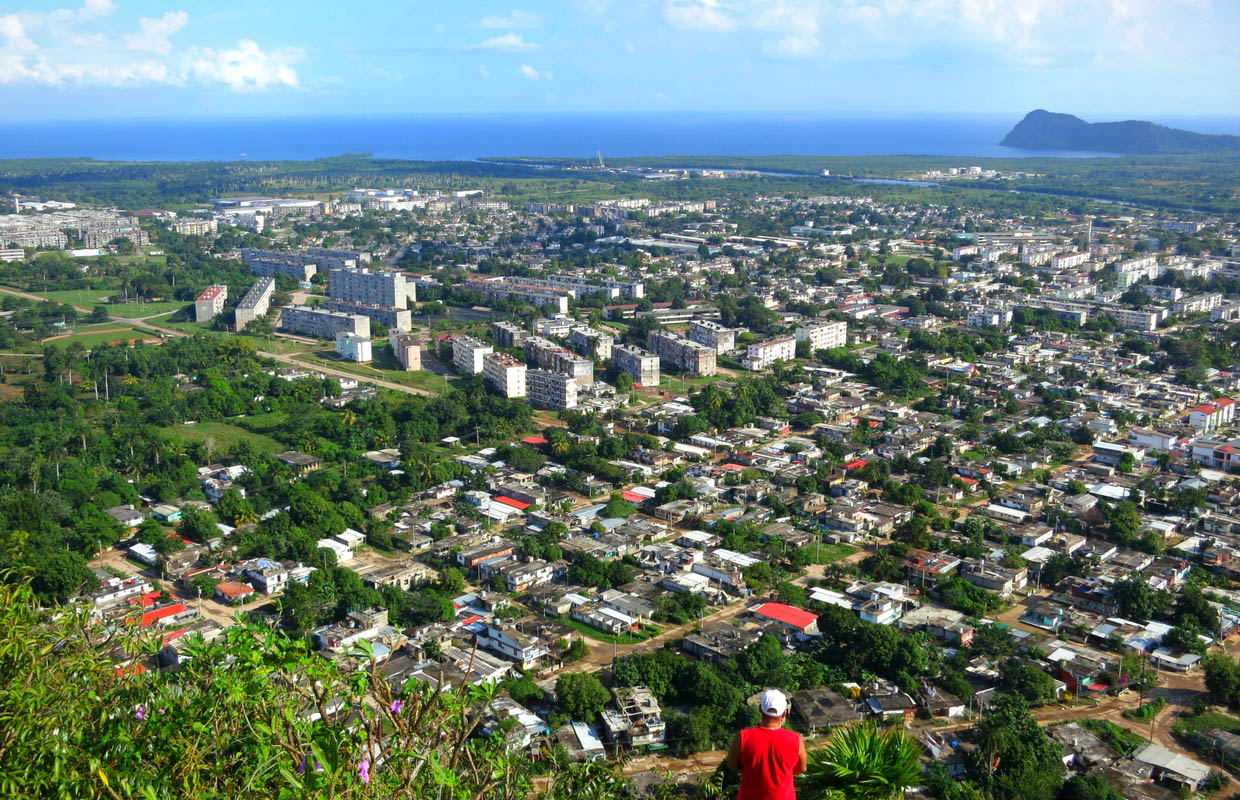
(823,335)
(468,354)
(505,374)
(353,347)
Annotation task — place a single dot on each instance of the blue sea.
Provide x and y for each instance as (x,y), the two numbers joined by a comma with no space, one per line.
(468,137)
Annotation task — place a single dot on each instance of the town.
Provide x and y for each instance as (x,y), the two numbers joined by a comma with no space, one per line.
(629,460)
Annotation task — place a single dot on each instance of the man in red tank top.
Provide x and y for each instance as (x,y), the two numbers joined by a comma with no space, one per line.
(768,756)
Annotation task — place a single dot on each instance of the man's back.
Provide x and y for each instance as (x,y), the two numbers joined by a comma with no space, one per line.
(769,760)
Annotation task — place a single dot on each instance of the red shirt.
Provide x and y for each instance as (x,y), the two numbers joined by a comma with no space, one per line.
(768,758)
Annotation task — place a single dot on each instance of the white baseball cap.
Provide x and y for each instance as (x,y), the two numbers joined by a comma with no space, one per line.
(774,703)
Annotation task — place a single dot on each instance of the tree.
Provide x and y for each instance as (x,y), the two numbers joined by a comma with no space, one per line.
(451,580)
(1124,521)
(1222,677)
(1088,787)
(861,762)
(1136,600)
(581,695)
(1031,683)
(1015,759)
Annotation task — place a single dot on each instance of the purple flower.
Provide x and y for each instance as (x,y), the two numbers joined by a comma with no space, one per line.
(163,711)
(363,771)
(301,768)
(140,713)
(396,706)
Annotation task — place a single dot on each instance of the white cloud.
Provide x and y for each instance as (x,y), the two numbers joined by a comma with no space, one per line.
(247,67)
(699,15)
(517,18)
(71,46)
(153,34)
(483,71)
(533,74)
(508,42)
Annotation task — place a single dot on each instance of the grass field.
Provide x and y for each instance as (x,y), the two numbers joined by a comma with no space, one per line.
(82,298)
(830,553)
(104,333)
(382,368)
(224,436)
(646,632)
(136,310)
(1186,726)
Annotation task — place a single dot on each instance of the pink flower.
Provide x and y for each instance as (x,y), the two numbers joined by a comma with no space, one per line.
(140,713)
(363,771)
(396,706)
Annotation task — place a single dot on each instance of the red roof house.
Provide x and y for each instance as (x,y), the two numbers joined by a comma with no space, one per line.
(790,616)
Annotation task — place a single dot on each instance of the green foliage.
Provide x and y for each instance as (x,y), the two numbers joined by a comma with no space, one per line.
(581,696)
(1088,787)
(1015,759)
(860,762)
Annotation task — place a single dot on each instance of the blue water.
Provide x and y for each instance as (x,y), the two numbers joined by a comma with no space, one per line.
(467,137)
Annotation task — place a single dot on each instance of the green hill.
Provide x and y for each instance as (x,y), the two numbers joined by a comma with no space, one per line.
(1044,130)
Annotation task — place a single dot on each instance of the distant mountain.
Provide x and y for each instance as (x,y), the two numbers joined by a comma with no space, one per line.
(1043,130)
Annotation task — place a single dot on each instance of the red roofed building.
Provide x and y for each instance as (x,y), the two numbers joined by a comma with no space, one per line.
(634,497)
(231,591)
(511,502)
(858,464)
(1212,414)
(537,440)
(210,303)
(796,620)
(168,615)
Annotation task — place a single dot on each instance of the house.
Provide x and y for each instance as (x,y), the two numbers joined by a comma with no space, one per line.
(299,462)
(126,516)
(818,709)
(166,513)
(994,577)
(925,568)
(939,703)
(636,719)
(794,620)
(719,641)
(233,592)
(1170,768)
(506,640)
(404,576)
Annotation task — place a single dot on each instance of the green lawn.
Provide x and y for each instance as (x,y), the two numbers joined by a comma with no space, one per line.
(135,310)
(384,367)
(830,553)
(1119,738)
(83,298)
(1187,726)
(646,632)
(224,436)
(973,455)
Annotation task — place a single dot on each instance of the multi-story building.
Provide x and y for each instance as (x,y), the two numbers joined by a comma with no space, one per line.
(546,354)
(1213,414)
(1070,260)
(380,288)
(195,227)
(353,347)
(209,303)
(505,373)
(763,354)
(406,349)
(712,334)
(329,258)
(682,353)
(503,289)
(255,302)
(1136,270)
(272,263)
(640,365)
(1221,454)
(468,354)
(592,343)
(989,317)
(387,316)
(823,335)
(324,324)
(1198,303)
(8,254)
(558,326)
(553,390)
(635,290)
(636,720)
(508,334)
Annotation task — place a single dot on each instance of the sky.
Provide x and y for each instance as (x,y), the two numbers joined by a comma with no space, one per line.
(1101,59)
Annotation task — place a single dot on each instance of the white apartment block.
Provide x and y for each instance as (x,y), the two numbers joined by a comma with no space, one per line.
(592,343)
(1135,270)
(381,288)
(353,347)
(823,335)
(255,302)
(195,227)
(712,334)
(1198,304)
(1070,260)
(406,349)
(681,353)
(989,317)
(468,354)
(324,324)
(762,354)
(551,390)
(8,254)
(1213,414)
(516,290)
(640,365)
(505,374)
(209,303)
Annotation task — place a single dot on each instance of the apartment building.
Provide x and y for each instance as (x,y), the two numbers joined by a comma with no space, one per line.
(209,303)
(551,390)
(591,343)
(712,334)
(309,321)
(9,254)
(329,258)
(379,288)
(682,353)
(468,354)
(354,347)
(387,316)
(635,290)
(195,227)
(1198,304)
(823,335)
(989,317)
(546,354)
(640,365)
(505,374)
(1070,260)
(1221,454)
(502,289)
(508,334)
(255,302)
(763,354)
(1213,414)
(271,263)
(406,349)
(1136,270)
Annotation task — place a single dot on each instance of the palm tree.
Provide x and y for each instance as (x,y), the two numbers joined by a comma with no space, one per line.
(861,762)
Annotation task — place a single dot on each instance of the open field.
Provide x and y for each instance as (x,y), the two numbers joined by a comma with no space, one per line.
(384,367)
(224,436)
(82,298)
(137,310)
(93,335)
